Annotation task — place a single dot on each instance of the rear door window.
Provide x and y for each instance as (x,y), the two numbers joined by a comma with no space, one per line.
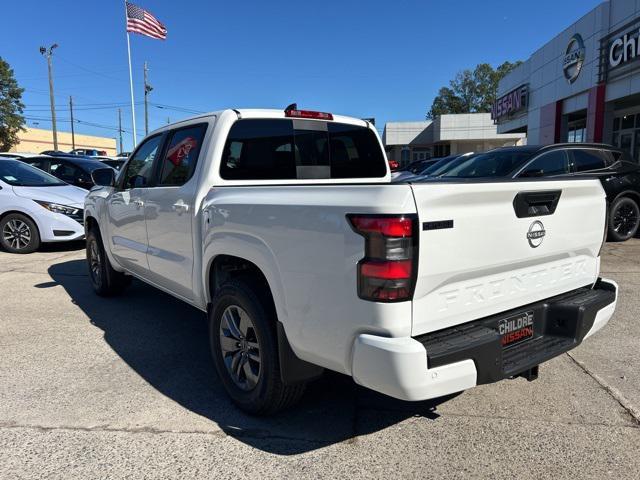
(587,160)
(551,163)
(181,155)
(263,149)
(65,171)
(41,163)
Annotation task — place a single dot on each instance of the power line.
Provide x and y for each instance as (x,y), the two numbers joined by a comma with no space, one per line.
(177,109)
(88,70)
(78,108)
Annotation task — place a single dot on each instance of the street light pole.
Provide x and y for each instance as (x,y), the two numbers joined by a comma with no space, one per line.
(48,54)
(147,90)
(73,133)
(120,129)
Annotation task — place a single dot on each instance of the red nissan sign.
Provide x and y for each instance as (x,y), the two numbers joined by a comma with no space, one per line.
(512,102)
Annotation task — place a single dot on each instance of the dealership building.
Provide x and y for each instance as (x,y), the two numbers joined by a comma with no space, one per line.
(448,134)
(582,86)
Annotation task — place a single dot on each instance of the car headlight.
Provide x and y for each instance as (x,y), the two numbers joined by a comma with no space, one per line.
(57,208)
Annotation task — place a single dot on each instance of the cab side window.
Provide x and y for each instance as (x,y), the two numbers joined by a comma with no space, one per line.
(140,167)
(181,155)
(551,163)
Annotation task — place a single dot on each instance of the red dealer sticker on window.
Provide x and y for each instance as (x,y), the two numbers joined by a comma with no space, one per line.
(180,151)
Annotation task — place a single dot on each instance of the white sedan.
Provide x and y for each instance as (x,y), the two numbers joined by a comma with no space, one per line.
(36,207)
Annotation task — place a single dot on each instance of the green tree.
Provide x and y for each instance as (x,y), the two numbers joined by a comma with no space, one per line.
(471,91)
(11,107)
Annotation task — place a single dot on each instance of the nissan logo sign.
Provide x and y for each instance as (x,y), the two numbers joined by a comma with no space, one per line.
(574,58)
(536,234)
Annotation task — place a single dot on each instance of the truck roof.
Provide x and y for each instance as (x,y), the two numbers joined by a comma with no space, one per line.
(259,113)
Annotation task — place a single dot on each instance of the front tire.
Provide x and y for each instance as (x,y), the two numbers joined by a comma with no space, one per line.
(105,281)
(624,219)
(244,347)
(19,234)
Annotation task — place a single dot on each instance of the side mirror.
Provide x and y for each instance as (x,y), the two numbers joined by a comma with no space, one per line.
(104,177)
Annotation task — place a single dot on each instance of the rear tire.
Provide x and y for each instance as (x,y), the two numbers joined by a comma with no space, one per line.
(19,234)
(624,219)
(105,281)
(244,346)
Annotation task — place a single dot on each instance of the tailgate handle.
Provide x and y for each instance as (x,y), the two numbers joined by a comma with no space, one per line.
(536,204)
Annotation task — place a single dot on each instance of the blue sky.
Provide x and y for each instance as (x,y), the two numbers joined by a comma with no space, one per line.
(363,58)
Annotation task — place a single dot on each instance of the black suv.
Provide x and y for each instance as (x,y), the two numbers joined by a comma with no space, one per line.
(619,176)
(73,169)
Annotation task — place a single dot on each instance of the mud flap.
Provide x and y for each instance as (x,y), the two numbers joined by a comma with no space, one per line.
(292,369)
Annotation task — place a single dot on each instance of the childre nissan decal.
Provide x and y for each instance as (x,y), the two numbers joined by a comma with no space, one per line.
(536,234)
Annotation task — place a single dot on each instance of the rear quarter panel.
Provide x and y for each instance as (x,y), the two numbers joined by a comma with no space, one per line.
(300,238)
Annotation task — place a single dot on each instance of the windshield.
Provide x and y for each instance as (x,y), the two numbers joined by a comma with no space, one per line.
(445,164)
(20,174)
(498,163)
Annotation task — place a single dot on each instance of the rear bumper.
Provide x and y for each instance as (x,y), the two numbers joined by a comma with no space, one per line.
(458,358)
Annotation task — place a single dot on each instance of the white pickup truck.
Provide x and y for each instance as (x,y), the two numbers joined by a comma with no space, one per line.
(284,227)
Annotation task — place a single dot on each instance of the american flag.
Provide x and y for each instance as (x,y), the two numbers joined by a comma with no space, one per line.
(142,22)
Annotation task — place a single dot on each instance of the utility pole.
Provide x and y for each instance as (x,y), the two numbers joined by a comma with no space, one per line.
(73,133)
(48,54)
(147,90)
(120,129)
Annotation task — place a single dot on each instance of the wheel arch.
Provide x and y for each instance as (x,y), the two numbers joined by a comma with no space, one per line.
(632,194)
(293,370)
(236,250)
(90,221)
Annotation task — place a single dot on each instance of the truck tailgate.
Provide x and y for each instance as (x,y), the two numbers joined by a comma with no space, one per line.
(478,258)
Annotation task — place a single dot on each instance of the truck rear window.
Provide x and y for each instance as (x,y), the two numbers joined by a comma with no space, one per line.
(274,149)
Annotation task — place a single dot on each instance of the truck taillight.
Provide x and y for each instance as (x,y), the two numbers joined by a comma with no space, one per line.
(388,270)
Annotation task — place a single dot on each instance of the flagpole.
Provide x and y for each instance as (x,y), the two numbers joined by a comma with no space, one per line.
(133,108)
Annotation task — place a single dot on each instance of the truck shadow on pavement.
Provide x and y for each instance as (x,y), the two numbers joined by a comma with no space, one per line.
(165,342)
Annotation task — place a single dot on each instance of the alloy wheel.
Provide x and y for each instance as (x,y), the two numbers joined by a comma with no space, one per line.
(95,264)
(240,347)
(625,220)
(16,234)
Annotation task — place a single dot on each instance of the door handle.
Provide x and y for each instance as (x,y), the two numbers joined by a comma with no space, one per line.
(180,207)
(138,203)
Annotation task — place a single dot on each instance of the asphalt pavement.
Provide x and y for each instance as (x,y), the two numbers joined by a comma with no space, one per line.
(124,388)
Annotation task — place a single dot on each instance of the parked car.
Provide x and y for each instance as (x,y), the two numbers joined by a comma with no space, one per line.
(18,155)
(619,176)
(433,167)
(88,152)
(36,207)
(444,164)
(116,163)
(417,167)
(283,226)
(56,153)
(73,170)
